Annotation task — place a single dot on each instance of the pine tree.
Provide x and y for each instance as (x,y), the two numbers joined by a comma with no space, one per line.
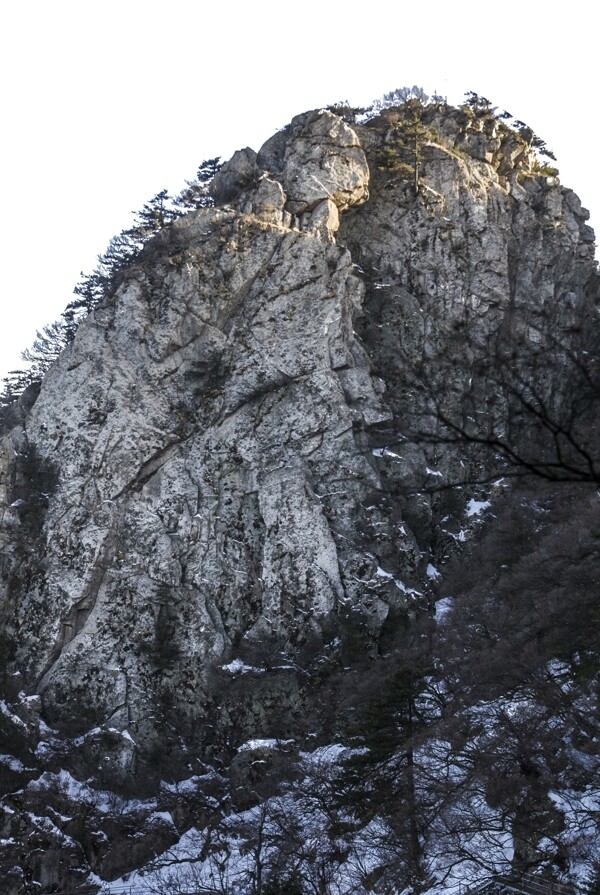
(46,348)
(14,384)
(404,149)
(379,778)
(401,95)
(94,287)
(196,193)
(155,214)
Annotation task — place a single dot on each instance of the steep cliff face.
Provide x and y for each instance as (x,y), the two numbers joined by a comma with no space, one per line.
(478,286)
(219,472)
(201,470)
(206,432)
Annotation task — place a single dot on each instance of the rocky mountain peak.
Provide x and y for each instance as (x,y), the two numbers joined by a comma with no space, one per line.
(302,177)
(225,471)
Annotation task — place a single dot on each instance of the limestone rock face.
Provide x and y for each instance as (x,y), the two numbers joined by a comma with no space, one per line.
(317,157)
(204,433)
(485,276)
(214,470)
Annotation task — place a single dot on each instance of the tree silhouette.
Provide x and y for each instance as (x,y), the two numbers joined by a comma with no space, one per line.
(46,348)
(399,96)
(196,193)
(552,401)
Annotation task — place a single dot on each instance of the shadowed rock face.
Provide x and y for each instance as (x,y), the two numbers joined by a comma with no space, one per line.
(208,449)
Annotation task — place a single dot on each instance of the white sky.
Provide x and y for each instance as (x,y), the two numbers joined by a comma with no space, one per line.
(105,104)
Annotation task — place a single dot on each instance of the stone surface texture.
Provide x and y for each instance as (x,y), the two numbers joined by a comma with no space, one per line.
(217,468)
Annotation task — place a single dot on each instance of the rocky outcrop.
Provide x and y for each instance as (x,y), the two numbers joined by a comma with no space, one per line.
(214,488)
(203,447)
(480,282)
(218,489)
